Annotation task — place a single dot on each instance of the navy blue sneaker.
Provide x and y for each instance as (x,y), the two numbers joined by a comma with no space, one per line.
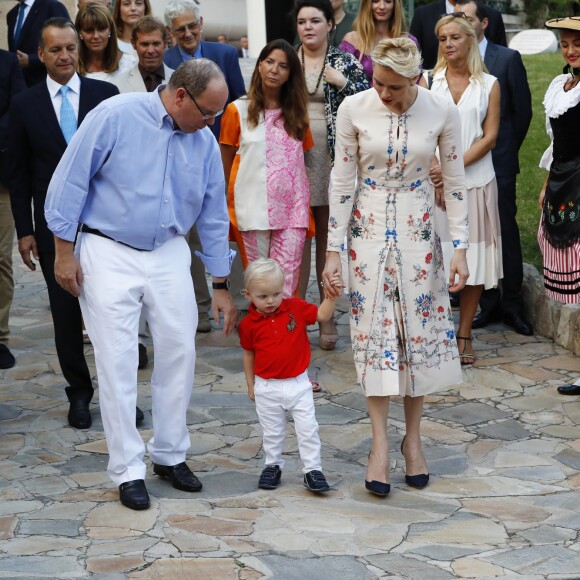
(270,477)
(316,482)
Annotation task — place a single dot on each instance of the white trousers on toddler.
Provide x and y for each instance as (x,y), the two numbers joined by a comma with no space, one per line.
(273,398)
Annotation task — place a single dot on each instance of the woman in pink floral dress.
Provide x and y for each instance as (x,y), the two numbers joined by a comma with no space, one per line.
(263,138)
(402,331)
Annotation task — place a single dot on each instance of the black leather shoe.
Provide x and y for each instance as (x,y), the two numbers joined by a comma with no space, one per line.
(143,358)
(569,390)
(133,494)
(179,475)
(7,360)
(79,415)
(518,323)
(139,417)
(485,317)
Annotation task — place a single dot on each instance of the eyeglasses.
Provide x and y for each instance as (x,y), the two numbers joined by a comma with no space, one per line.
(192,27)
(204,116)
(458,14)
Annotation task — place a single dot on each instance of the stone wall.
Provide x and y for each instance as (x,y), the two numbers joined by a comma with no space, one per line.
(560,322)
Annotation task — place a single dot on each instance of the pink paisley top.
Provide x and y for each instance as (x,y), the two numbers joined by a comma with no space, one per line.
(268,188)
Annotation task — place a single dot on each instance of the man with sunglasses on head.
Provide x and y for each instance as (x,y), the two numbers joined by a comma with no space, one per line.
(426,16)
(140,171)
(516,114)
(184,22)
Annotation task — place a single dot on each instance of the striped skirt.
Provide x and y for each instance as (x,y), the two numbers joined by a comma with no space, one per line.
(561,270)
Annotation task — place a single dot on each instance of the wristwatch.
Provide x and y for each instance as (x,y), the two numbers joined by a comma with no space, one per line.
(225,285)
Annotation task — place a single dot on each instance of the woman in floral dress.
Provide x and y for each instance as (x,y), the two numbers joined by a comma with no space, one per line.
(402,331)
(262,141)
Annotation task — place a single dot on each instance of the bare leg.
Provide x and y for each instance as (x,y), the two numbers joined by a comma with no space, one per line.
(415,463)
(321,214)
(470,296)
(305,268)
(378,466)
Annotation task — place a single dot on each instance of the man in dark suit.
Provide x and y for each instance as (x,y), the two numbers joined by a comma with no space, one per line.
(11,83)
(24,25)
(184,22)
(516,114)
(423,28)
(40,117)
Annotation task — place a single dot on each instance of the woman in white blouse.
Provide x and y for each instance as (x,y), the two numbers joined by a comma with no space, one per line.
(459,75)
(99,55)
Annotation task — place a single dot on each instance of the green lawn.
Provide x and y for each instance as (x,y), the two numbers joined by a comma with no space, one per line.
(541,70)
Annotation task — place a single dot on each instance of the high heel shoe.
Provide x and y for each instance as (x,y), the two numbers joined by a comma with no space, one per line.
(419,481)
(377,487)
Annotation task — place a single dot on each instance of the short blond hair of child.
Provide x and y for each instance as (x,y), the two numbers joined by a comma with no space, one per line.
(263,269)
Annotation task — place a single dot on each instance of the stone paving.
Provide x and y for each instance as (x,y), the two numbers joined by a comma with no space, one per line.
(503,449)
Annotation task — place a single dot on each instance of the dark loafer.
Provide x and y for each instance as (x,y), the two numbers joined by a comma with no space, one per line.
(133,494)
(485,317)
(569,390)
(143,358)
(179,475)
(79,415)
(518,323)
(139,417)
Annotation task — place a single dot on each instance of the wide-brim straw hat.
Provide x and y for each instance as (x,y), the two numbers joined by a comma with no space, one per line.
(568,23)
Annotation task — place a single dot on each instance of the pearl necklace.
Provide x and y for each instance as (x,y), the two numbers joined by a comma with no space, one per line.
(321,70)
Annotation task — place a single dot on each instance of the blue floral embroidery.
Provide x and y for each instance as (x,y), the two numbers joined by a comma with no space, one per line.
(424,307)
(456,243)
(450,334)
(356,305)
(457,195)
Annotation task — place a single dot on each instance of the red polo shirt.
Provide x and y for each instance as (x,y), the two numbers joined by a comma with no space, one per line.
(279,340)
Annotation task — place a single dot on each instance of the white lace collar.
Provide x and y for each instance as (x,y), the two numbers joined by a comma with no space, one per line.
(557,101)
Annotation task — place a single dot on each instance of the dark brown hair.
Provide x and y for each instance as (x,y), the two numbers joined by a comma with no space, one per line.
(293,96)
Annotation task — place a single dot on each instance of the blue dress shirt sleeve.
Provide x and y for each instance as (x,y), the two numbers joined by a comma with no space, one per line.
(130,174)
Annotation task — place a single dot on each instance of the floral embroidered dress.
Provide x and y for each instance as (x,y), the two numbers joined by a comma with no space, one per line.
(402,331)
(559,232)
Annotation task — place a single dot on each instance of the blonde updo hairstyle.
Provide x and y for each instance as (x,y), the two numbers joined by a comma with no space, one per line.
(401,55)
(475,64)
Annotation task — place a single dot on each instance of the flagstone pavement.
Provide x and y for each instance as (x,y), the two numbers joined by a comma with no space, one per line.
(503,450)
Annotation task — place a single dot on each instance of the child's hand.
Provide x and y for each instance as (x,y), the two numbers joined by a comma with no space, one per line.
(337,281)
(251,393)
(333,291)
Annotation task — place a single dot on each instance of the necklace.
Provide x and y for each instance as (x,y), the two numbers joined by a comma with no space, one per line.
(321,71)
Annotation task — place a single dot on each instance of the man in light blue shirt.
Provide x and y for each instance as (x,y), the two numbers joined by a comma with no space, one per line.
(140,171)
